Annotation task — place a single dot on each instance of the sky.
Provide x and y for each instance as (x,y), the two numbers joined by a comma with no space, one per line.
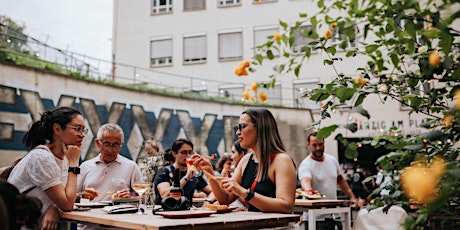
(80,26)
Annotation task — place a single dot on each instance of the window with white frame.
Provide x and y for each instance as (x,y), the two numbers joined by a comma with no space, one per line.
(162,6)
(420,90)
(230,45)
(302,86)
(161,51)
(345,38)
(233,91)
(301,35)
(195,48)
(191,5)
(273,94)
(262,1)
(229,2)
(260,37)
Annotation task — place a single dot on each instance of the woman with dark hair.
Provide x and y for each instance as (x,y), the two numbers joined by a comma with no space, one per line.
(49,171)
(21,210)
(238,153)
(265,177)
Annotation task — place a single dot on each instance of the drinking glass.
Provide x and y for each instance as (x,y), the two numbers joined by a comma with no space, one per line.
(140,188)
(189,163)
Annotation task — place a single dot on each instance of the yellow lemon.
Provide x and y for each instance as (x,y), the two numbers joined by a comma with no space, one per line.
(447,120)
(328,34)
(246,95)
(434,59)
(419,184)
(438,167)
(277,37)
(333,26)
(262,96)
(254,86)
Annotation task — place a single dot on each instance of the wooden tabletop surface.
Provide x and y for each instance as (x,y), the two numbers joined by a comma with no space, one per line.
(232,220)
(321,203)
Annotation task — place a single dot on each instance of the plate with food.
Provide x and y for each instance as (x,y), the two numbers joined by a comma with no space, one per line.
(311,195)
(186,214)
(220,208)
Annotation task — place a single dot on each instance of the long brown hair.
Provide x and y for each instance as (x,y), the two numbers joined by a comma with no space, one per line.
(268,138)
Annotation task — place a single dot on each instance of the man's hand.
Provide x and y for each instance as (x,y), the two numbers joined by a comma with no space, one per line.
(89,193)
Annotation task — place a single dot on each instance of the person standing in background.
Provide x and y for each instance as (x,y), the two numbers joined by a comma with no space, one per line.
(320,173)
(49,171)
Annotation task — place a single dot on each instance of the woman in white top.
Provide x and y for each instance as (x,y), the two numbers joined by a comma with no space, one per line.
(49,171)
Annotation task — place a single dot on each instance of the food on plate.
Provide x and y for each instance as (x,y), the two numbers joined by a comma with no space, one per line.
(216,207)
(312,194)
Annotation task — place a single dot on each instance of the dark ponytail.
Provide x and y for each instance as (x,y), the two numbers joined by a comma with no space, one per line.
(41,132)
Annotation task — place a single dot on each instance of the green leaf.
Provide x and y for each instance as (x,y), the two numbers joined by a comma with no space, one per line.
(371,48)
(283,24)
(351,152)
(345,94)
(326,131)
(270,55)
(433,135)
(353,127)
(361,111)
(320,95)
(360,99)
(328,62)
(446,43)
(331,49)
(259,58)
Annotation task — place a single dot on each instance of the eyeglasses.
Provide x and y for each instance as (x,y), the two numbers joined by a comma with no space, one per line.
(80,129)
(185,152)
(109,145)
(240,127)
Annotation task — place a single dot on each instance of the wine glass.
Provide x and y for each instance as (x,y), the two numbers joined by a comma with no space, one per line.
(140,188)
(189,163)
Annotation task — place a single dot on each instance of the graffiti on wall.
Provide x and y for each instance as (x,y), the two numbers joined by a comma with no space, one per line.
(19,108)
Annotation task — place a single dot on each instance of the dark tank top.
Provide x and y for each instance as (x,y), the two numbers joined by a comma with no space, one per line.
(265,187)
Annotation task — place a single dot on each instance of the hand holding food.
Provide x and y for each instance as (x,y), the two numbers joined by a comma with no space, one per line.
(121,194)
(89,193)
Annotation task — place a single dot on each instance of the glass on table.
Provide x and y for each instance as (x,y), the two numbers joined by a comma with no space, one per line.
(190,166)
(140,188)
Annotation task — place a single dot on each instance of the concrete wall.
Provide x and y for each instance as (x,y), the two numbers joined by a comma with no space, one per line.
(25,93)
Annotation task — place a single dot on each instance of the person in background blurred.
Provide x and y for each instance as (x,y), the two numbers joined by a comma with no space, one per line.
(181,149)
(18,211)
(49,171)
(238,153)
(320,173)
(254,178)
(224,165)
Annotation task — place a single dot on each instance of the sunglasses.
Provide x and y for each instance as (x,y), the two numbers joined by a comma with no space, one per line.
(241,126)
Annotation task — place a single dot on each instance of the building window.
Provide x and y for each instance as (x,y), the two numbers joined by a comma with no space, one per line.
(260,37)
(191,5)
(233,91)
(421,89)
(162,6)
(302,86)
(262,1)
(161,52)
(195,48)
(230,45)
(302,38)
(273,94)
(229,2)
(345,38)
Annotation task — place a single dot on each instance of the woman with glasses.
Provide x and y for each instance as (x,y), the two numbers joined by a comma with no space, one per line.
(49,171)
(265,178)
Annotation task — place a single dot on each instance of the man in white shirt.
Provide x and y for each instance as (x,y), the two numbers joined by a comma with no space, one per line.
(321,173)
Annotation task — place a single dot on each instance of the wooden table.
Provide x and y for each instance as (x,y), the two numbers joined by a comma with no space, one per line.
(232,220)
(317,207)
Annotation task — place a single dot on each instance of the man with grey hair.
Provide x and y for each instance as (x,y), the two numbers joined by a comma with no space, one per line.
(108,175)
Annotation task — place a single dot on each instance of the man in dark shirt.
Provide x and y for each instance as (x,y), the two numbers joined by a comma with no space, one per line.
(189,182)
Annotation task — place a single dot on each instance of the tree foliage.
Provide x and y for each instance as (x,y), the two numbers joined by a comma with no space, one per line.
(407,44)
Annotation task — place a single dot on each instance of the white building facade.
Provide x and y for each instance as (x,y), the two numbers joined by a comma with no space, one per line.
(194,45)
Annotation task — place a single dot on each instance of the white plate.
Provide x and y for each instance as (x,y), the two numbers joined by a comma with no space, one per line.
(91,205)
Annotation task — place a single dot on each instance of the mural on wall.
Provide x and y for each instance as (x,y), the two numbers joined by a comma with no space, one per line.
(19,107)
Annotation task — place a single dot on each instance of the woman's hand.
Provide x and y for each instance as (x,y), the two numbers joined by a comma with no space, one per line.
(72,152)
(202,164)
(231,186)
(50,218)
